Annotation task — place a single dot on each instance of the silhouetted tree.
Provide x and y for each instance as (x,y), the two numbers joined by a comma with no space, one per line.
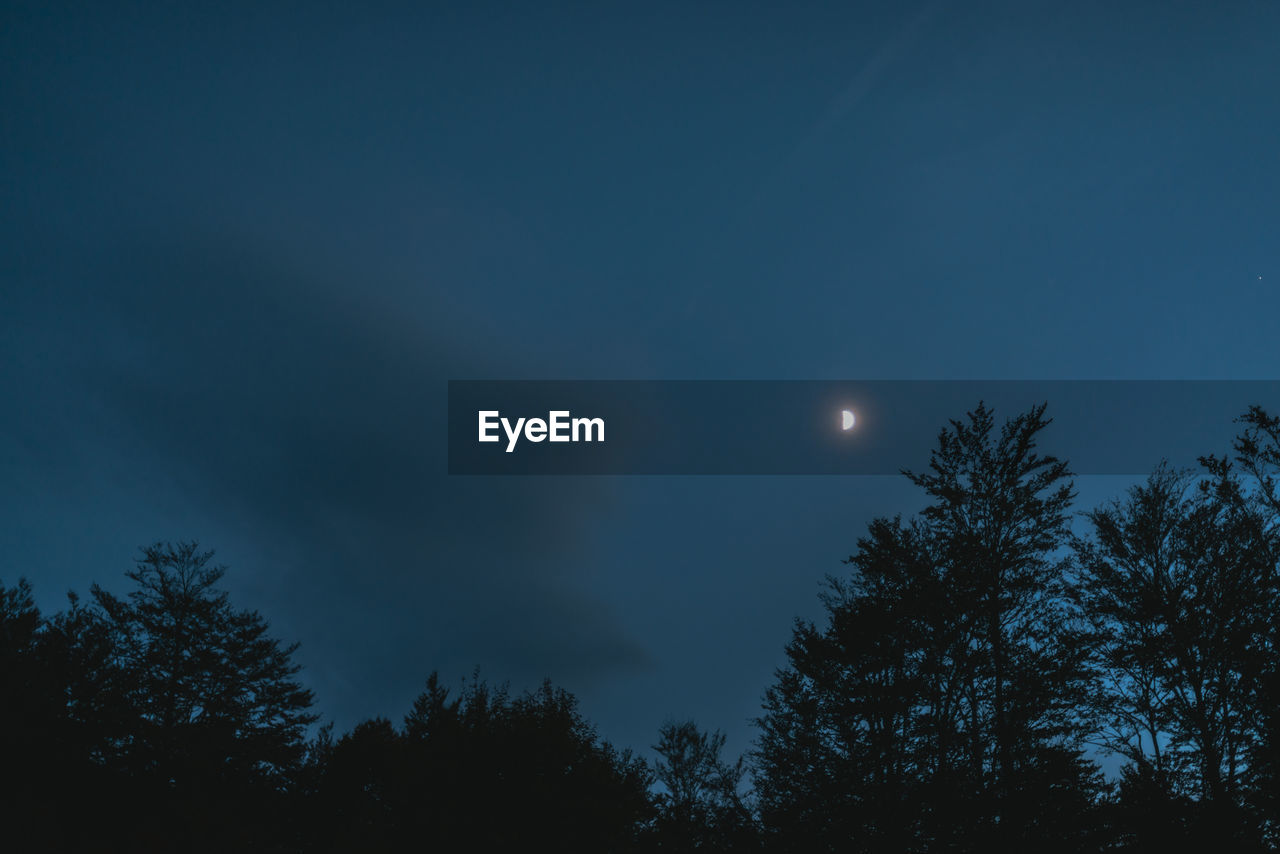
(999,522)
(217,718)
(62,713)
(964,661)
(483,771)
(702,808)
(1125,581)
(366,793)
(940,706)
(1257,450)
(28,711)
(846,735)
(1257,456)
(20,702)
(1180,581)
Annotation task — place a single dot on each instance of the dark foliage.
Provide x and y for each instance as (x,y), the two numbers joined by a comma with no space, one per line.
(972,667)
(939,706)
(701,807)
(481,772)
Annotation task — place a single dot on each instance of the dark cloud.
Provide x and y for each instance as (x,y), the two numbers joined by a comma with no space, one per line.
(309,415)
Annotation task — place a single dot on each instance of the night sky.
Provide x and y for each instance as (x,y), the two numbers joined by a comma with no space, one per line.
(243,249)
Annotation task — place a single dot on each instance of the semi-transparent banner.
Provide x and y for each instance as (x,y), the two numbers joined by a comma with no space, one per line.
(811,427)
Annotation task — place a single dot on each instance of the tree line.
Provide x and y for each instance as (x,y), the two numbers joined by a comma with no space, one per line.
(977,667)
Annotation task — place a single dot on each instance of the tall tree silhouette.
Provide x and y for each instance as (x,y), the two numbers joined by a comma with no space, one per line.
(1257,457)
(999,518)
(1180,580)
(1127,566)
(941,701)
(846,735)
(217,718)
(216,696)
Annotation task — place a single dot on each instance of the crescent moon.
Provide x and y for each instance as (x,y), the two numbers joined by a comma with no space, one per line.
(847,420)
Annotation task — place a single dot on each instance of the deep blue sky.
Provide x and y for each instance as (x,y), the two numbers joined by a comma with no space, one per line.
(242,250)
